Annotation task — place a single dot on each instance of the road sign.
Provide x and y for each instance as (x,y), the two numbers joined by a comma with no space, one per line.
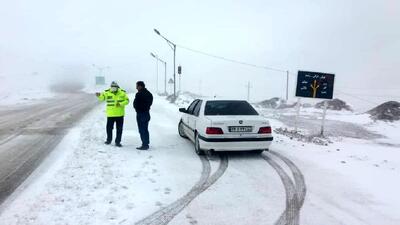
(170,81)
(100,80)
(315,85)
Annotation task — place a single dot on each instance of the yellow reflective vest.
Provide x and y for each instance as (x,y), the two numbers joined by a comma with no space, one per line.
(113,109)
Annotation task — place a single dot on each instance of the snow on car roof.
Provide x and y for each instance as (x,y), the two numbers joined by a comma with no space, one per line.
(221,99)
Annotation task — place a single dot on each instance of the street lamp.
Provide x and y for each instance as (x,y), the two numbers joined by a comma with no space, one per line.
(173,47)
(165,71)
(156,70)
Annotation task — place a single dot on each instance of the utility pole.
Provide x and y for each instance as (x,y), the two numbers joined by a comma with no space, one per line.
(287,85)
(248,91)
(174,69)
(165,77)
(200,87)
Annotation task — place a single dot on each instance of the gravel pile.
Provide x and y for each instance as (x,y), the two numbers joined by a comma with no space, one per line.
(388,111)
(319,140)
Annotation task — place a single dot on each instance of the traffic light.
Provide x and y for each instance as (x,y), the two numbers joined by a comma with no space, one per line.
(179,69)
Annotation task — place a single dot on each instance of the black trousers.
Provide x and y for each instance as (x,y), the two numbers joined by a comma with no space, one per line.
(110,126)
(143,119)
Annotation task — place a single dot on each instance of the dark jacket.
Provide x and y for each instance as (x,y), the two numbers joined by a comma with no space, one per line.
(143,101)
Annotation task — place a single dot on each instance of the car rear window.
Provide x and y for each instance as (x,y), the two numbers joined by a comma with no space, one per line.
(228,108)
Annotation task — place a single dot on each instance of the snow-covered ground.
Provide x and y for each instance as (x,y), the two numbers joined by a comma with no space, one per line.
(30,96)
(15,90)
(350,181)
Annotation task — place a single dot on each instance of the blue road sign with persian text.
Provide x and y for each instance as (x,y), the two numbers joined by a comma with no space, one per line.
(315,85)
(100,80)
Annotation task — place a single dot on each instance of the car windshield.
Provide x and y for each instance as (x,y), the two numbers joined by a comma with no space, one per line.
(229,108)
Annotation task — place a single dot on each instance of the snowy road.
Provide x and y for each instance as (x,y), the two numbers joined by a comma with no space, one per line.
(28,133)
(86,182)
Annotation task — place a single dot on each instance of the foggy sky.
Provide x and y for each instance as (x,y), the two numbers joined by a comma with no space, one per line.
(357,40)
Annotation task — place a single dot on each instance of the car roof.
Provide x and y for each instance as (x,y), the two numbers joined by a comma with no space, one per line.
(220,99)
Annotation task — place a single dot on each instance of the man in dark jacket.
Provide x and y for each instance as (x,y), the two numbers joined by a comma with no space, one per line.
(142,103)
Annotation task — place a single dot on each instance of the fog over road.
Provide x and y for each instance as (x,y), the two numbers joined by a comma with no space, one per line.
(28,133)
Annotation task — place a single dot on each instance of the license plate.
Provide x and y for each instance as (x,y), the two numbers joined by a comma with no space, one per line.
(241,129)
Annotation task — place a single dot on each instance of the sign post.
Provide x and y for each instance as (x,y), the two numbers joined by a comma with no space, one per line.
(315,85)
(298,105)
(100,80)
(323,117)
(171,81)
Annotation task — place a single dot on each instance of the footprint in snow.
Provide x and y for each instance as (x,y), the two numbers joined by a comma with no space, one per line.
(130,206)
(159,204)
(167,191)
(152,180)
(111,214)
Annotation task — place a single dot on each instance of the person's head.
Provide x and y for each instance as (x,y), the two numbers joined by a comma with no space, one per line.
(140,85)
(114,86)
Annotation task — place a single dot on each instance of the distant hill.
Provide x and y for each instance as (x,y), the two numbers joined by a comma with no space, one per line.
(334,104)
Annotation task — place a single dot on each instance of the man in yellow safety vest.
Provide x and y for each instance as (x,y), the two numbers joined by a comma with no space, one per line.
(116,100)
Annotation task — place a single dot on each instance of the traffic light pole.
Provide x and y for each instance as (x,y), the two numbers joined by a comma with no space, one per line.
(174,70)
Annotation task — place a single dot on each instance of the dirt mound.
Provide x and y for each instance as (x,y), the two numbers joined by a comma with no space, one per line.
(172,98)
(284,105)
(334,104)
(388,111)
(273,103)
(270,103)
(183,98)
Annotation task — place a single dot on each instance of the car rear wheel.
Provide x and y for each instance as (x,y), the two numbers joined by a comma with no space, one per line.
(197,147)
(181,130)
(259,151)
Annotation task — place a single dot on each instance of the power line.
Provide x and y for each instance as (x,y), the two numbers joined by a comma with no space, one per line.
(355,88)
(356,97)
(378,96)
(232,60)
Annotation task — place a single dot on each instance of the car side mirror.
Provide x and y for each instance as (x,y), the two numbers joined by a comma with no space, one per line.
(183,110)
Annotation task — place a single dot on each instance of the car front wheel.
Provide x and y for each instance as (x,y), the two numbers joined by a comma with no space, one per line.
(181,130)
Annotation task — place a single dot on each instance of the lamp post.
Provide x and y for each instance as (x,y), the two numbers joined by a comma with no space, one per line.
(156,69)
(165,71)
(173,47)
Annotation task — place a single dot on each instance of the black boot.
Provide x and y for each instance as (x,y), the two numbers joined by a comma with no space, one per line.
(143,147)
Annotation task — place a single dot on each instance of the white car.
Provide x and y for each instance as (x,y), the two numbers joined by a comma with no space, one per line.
(224,125)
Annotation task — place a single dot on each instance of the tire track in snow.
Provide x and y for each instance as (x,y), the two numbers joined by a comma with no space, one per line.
(298,177)
(166,214)
(295,190)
